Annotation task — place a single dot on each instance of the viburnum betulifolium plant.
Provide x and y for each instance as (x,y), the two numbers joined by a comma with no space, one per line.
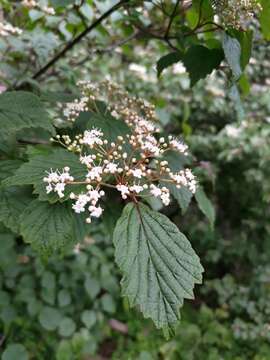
(158,263)
(107,146)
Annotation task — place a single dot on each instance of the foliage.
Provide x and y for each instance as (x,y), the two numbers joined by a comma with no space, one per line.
(204,65)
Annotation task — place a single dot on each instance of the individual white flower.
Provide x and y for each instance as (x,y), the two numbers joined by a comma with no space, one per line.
(137,173)
(95,172)
(123,189)
(86,160)
(136,188)
(49,188)
(165,198)
(95,211)
(111,168)
(80,204)
(95,195)
(179,146)
(154,190)
(60,188)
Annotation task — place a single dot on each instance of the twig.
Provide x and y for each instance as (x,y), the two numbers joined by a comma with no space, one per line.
(171,19)
(75,41)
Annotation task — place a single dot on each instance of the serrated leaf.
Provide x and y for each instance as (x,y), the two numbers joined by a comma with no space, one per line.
(201,61)
(232,51)
(159,266)
(33,172)
(13,201)
(48,228)
(22,110)
(168,60)
(205,206)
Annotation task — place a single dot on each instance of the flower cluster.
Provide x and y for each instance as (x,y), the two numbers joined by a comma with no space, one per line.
(31,4)
(7,29)
(236,13)
(57,181)
(134,164)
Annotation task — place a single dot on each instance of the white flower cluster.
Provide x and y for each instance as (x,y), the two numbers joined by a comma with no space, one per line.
(57,181)
(7,29)
(133,164)
(73,109)
(31,4)
(236,13)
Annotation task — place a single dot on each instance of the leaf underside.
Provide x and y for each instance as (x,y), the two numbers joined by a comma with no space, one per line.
(159,266)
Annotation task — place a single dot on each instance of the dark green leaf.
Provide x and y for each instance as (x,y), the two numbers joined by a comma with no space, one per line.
(201,61)
(168,60)
(48,228)
(159,266)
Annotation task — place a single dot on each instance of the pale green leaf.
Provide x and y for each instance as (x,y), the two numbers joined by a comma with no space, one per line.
(205,206)
(49,318)
(159,266)
(15,352)
(232,51)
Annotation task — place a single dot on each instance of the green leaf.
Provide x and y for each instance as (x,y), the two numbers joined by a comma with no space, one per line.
(182,195)
(205,206)
(92,287)
(48,228)
(66,327)
(22,110)
(265,18)
(110,126)
(49,318)
(159,266)
(59,3)
(15,352)
(89,318)
(232,51)
(34,171)
(8,167)
(245,40)
(13,201)
(201,61)
(168,60)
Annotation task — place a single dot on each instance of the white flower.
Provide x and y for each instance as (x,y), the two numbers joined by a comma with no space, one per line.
(95,172)
(136,188)
(60,188)
(123,189)
(165,198)
(86,160)
(179,145)
(95,195)
(95,211)
(80,204)
(154,190)
(49,188)
(111,168)
(137,173)
(92,137)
